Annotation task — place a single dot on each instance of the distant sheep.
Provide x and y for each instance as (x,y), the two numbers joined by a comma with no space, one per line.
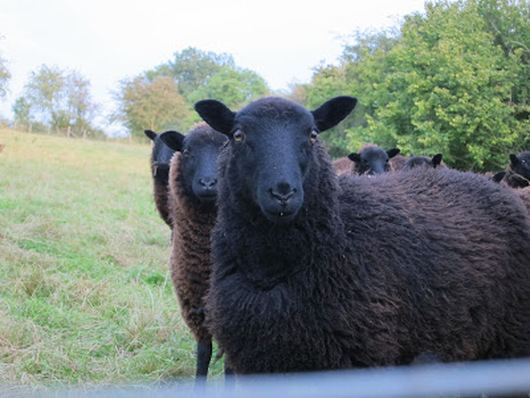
(517,173)
(398,162)
(342,166)
(192,208)
(160,158)
(314,272)
(415,161)
(371,160)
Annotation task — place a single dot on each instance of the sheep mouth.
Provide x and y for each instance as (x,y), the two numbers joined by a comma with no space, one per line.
(207,196)
(280,217)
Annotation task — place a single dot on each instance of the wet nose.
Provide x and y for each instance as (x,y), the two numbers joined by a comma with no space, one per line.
(283,192)
(208,182)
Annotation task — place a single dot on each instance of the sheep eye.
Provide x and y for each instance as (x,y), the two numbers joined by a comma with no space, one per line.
(313,136)
(239,136)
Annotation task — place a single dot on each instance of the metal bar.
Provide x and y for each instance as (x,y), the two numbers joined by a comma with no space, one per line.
(462,379)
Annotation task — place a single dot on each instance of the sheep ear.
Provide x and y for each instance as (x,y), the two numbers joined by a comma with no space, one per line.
(514,160)
(173,139)
(333,111)
(150,134)
(437,159)
(217,115)
(354,157)
(392,152)
(499,176)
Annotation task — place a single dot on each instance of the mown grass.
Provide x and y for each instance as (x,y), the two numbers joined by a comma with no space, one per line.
(85,294)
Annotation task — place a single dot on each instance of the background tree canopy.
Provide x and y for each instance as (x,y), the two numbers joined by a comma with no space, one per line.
(453,80)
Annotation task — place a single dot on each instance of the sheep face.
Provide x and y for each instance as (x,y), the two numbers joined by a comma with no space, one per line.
(521,164)
(271,148)
(416,161)
(199,150)
(160,157)
(372,160)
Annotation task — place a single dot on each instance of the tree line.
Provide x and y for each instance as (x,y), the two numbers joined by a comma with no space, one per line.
(454,78)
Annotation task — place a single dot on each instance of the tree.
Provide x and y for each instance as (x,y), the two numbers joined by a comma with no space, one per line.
(507,21)
(234,86)
(191,69)
(151,104)
(447,88)
(4,76)
(44,92)
(59,99)
(22,113)
(80,107)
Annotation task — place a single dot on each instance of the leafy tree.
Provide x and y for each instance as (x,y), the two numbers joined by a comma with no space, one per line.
(235,87)
(4,76)
(151,104)
(508,22)
(447,89)
(45,92)
(59,99)
(350,77)
(192,68)
(22,113)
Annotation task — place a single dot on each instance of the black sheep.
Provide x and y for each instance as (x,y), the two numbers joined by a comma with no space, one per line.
(311,272)
(192,210)
(160,158)
(372,159)
(415,161)
(518,171)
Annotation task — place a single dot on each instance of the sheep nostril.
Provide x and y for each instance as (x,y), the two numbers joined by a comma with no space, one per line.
(283,196)
(208,182)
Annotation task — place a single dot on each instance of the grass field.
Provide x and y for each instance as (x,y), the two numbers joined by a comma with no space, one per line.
(85,294)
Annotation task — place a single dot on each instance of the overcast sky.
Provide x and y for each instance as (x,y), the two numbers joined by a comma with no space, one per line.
(108,40)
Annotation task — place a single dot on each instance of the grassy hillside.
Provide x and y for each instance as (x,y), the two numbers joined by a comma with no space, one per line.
(85,295)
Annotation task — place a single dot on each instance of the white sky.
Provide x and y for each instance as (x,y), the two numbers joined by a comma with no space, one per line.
(108,40)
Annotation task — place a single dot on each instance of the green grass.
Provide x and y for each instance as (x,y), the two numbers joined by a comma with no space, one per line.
(85,293)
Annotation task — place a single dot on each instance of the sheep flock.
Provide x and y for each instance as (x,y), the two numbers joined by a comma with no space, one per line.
(292,262)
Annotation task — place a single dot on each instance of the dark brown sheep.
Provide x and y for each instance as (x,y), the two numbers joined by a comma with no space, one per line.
(524,194)
(342,166)
(192,195)
(313,272)
(160,158)
(398,162)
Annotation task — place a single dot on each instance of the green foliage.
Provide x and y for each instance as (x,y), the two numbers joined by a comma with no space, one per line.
(21,111)
(455,80)
(5,76)
(151,104)
(196,75)
(192,69)
(59,99)
(235,87)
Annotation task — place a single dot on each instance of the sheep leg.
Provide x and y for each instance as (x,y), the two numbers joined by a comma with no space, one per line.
(229,376)
(204,355)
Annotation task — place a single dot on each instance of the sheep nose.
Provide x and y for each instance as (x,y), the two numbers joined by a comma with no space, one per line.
(208,182)
(283,192)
